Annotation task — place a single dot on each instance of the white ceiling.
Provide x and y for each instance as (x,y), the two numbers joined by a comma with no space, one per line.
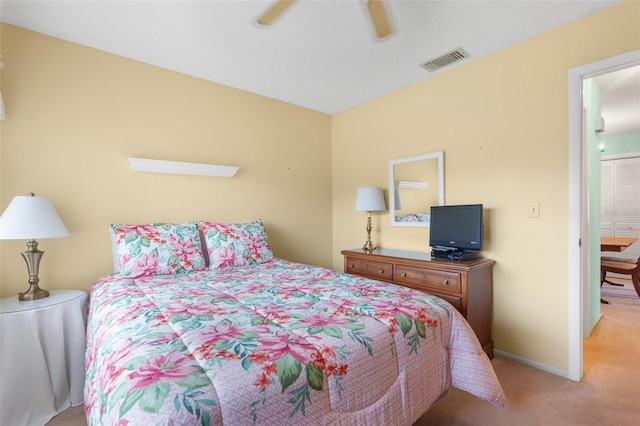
(321,54)
(620,100)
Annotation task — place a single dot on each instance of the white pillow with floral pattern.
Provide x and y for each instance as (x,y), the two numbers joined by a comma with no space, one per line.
(158,249)
(236,244)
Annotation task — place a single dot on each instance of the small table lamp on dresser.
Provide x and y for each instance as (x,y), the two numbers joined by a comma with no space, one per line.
(27,218)
(370,199)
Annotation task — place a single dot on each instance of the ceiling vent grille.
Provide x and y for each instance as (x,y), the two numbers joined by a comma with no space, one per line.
(444,60)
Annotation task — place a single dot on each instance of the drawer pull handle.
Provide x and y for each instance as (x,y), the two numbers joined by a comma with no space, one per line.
(445,282)
(351,265)
(404,275)
(381,271)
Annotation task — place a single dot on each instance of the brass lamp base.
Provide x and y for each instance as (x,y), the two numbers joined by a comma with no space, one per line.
(368,245)
(33,293)
(32,257)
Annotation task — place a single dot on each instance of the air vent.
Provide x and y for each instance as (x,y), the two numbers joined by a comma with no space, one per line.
(444,60)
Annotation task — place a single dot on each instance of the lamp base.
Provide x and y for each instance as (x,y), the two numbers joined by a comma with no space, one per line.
(368,247)
(33,293)
(32,257)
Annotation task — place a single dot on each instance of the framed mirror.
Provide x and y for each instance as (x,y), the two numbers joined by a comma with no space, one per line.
(415,184)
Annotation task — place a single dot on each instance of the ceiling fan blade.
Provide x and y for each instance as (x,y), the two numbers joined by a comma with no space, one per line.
(380,18)
(274,12)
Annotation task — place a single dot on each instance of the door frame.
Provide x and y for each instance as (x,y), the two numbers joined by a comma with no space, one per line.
(577,203)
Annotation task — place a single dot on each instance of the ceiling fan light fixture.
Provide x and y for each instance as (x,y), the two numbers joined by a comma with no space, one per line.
(380,18)
(274,12)
(377,13)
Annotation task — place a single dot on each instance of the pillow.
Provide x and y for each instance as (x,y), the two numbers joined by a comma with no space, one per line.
(236,244)
(158,249)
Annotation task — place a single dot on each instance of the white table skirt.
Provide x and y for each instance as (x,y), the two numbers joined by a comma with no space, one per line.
(42,349)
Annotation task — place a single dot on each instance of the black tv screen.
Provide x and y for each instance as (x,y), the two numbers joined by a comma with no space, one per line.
(458,227)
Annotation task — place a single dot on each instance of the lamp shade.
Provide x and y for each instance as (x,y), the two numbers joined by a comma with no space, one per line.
(30,217)
(370,199)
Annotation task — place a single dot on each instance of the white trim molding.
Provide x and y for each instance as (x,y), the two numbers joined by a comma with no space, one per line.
(181,168)
(576,202)
(525,361)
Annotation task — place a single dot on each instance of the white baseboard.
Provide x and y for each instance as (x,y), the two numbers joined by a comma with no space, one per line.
(537,365)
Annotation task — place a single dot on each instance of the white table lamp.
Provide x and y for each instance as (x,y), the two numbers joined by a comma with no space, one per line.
(27,218)
(370,199)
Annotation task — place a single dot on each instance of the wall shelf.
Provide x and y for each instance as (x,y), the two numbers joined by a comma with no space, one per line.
(403,184)
(181,168)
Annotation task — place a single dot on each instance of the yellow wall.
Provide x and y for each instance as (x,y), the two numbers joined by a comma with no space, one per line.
(74,116)
(502,122)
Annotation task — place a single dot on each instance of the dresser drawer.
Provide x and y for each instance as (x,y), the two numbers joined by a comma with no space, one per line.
(369,268)
(426,279)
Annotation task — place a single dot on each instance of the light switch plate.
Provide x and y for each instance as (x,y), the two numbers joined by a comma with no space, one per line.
(534,209)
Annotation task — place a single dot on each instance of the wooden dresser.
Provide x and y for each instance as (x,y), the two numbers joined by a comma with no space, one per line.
(466,285)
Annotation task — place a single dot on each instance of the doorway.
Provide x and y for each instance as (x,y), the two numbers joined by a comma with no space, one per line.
(578,202)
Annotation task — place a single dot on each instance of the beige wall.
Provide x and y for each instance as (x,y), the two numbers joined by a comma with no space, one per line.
(502,122)
(75,114)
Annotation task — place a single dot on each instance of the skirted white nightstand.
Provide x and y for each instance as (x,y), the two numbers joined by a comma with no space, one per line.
(42,345)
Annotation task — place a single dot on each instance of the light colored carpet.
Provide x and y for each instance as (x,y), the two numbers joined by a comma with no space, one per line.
(609,393)
(73,416)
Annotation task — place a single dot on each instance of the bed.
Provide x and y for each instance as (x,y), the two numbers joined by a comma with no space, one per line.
(231,335)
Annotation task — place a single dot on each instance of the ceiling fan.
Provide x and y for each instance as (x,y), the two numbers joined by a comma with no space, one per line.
(376,8)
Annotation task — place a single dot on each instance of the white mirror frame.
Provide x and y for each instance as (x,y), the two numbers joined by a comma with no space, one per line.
(439,155)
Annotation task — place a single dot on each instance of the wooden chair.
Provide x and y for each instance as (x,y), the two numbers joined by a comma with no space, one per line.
(622,266)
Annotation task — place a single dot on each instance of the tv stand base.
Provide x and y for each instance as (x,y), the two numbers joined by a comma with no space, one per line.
(458,255)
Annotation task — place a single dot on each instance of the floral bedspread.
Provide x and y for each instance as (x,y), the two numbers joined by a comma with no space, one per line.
(274,343)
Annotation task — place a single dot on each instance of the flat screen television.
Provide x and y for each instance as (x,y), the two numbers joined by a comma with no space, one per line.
(457,227)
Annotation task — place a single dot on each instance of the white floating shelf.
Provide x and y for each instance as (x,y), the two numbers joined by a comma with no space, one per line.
(403,184)
(181,168)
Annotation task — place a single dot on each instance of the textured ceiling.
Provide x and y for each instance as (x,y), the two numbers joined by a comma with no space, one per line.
(620,100)
(320,54)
